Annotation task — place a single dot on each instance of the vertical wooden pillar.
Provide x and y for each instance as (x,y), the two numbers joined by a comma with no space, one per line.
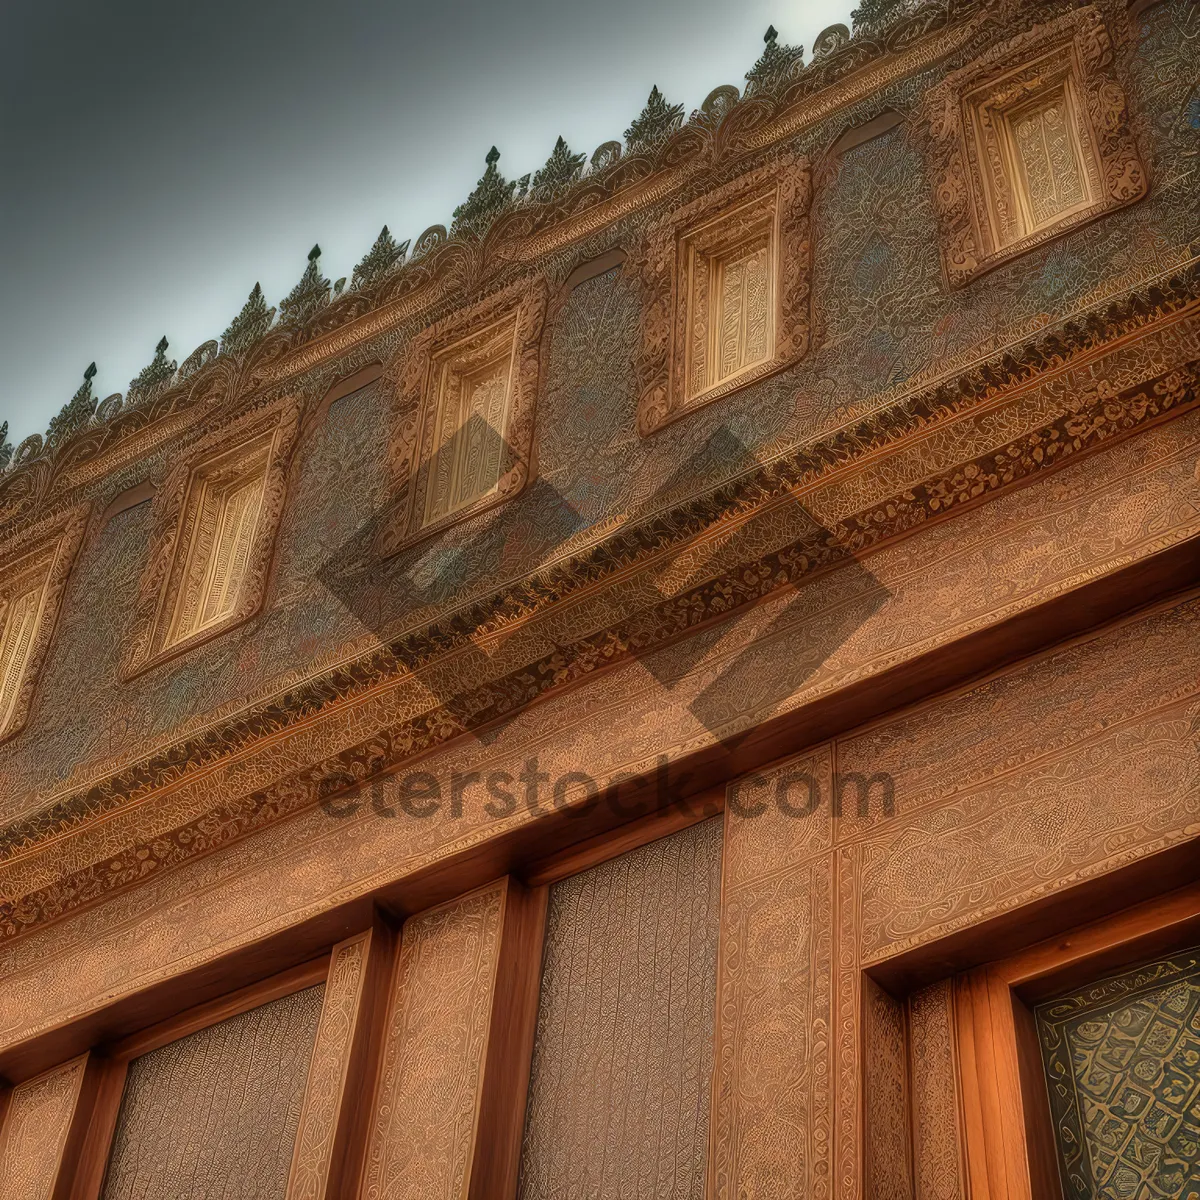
(449,1106)
(327,1160)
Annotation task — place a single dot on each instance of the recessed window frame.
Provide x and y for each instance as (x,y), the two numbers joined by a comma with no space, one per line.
(426,378)
(261,443)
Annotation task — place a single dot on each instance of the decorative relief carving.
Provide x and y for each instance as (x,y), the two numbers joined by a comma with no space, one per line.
(426,1105)
(726,284)
(33,573)
(215,518)
(215,1113)
(1028,141)
(887,1145)
(622,1064)
(937,1118)
(771,1074)
(35,1131)
(327,1071)
(467,398)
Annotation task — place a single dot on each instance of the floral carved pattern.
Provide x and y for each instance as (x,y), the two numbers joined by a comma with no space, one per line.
(423,1126)
(677,266)
(35,1131)
(327,1070)
(1053,85)
(273,433)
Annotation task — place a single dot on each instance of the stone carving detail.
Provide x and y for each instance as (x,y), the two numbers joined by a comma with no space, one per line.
(423,1128)
(726,284)
(467,397)
(215,1113)
(33,574)
(937,1125)
(35,1130)
(214,527)
(887,1145)
(327,1072)
(1122,1060)
(771,1073)
(249,325)
(1027,142)
(622,1065)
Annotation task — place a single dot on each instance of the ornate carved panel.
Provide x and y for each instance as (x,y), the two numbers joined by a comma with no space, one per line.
(215,1113)
(35,1131)
(33,573)
(937,1117)
(467,395)
(771,1075)
(1122,1060)
(436,1035)
(1028,141)
(215,519)
(726,283)
(313,1151)
(619,1095)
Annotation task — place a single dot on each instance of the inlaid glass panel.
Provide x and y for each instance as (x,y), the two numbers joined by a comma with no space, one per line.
(622,1065)
(215,1113)
(1122,1060)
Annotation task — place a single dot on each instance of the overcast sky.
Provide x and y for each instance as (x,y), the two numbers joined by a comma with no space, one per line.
(161,157)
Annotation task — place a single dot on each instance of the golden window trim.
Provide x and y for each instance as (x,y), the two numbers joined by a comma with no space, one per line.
(436,357)
(46,552)
(273,432)
(769,206)
(973,161)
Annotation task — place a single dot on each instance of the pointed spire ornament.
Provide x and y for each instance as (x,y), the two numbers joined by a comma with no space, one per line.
(249,325)
(6,448)
(561,170)
(775,63)
(76,413)
(309,296)
(153,377)
(378,261)
(657,121)
(492,194)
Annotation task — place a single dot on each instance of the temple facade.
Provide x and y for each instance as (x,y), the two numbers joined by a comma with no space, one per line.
(683,684)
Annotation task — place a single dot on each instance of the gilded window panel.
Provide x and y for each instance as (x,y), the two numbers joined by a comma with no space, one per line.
(215,521)
(726,283)
(34,1135)
(216,1113)
(1028,142)
(622,1067)
(466,396)
(33,573)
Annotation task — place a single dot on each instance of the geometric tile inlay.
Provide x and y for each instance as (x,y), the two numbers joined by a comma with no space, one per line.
(1122,1061)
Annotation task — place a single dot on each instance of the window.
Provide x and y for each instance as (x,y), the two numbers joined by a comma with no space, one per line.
(1028,142)
(222,518)
(726,283)
(466,404)
(215,518)
(33,570)
(474,384)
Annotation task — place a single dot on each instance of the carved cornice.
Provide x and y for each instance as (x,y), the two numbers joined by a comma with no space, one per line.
(727,128)
(1083,421)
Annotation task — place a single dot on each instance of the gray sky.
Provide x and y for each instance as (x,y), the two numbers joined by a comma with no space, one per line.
(160,157)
